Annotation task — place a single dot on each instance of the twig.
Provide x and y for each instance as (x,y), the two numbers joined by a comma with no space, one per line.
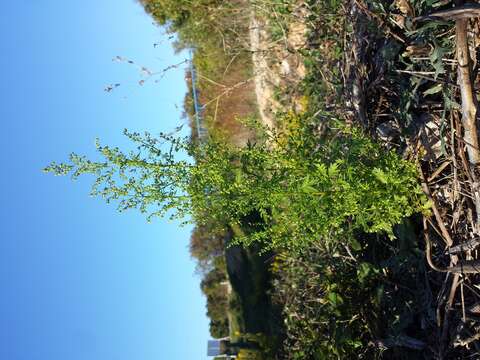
(469,340)
(420,76)
(411,72)
(438,217)
(456,185)
(466,246)
(210,80)
(428,248)
(357,75)
(472,178)
(462,12)
(448,308)
(464,267)
(230,63)
(438,171)
(469,105)
(216,111)
(228,90)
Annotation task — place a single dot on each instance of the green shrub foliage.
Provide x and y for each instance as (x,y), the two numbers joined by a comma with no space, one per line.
(301,184)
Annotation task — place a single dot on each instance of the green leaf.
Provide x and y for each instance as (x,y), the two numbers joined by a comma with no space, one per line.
(436,59)
(355,245)
(380,175)
(335,299)
(333,170)
(433,90)
(365,270)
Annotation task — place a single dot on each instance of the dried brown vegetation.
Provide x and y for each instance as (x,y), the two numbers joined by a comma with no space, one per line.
(415,89)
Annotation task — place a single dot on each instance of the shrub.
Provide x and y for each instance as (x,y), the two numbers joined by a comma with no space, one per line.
(302,184)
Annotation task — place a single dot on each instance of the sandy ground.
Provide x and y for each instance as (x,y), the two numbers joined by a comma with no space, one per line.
(277,65)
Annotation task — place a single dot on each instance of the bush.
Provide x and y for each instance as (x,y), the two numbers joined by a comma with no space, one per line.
(303,185)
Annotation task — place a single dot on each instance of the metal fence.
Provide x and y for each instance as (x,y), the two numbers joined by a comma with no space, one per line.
(198,108)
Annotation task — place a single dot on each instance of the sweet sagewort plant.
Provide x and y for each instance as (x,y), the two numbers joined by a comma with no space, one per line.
(302,186)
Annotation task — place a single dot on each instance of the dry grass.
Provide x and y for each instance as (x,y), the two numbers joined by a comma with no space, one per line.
(228,94)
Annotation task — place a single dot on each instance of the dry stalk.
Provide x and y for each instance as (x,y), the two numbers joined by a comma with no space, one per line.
(445,234)
(448,308)
(461,12)
(456,184)
(358,74)
(469,340)
(228,91)
(469,170)
(438,171)
(469,104)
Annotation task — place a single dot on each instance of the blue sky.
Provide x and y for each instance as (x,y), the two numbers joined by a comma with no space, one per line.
(78,280)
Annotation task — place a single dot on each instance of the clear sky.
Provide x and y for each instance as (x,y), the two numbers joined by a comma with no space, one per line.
(78,280)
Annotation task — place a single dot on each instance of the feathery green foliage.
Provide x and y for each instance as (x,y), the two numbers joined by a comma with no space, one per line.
(302,186)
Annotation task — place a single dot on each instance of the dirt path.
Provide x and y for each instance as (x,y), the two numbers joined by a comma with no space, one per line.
(277,65)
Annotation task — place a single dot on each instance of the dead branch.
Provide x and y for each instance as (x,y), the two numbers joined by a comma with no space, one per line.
(469,340)
(428,248)
(462,12)
(228,91)
(445,234)
(448,308)
(466,246)
(358,74)
(469,104)
(438,171)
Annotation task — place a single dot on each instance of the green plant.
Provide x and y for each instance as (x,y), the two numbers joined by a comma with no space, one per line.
(302,185)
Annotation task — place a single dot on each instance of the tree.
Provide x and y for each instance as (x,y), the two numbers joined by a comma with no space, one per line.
(201,23)
(214,287)
(207,247)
